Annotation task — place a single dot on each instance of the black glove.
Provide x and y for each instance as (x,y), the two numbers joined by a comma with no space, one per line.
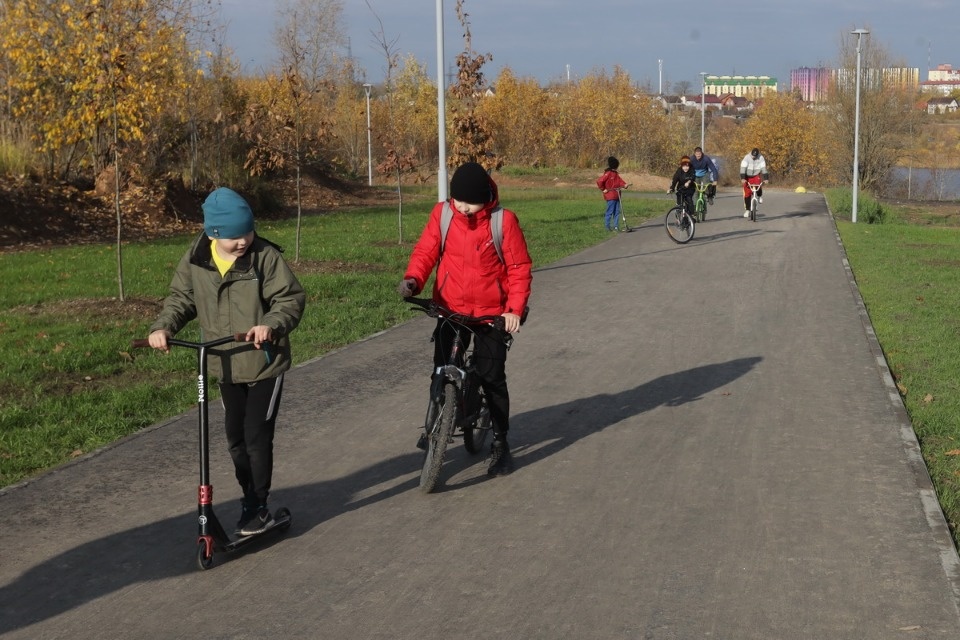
(407,287)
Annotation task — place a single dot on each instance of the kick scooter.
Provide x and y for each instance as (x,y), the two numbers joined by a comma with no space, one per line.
(212,537)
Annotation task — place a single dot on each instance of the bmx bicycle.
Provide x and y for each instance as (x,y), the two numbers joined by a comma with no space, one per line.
(211,536)
(457,406)
(700,201)
(754,200)
(680,225)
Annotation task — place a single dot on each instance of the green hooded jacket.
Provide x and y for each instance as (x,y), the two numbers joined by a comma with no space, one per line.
(259,289)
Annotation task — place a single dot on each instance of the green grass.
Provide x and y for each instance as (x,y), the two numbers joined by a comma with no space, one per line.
(909,276)
(69,383)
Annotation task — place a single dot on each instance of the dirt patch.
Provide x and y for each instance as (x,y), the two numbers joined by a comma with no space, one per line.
(139,308)
(35,215)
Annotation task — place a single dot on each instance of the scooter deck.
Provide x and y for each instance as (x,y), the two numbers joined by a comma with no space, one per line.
(281,522)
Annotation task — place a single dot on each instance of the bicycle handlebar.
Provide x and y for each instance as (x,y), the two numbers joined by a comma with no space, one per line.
(138,343)
(435,310)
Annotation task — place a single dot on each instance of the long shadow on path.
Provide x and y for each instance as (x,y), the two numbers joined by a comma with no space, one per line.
(162,549)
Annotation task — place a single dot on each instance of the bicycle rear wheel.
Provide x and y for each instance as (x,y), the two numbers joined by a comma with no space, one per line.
(680,226)
(475,435)
(439,433)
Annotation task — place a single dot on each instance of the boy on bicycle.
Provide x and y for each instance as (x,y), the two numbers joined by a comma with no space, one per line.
(683,183)
(473,280)
(704,168)
(753,170)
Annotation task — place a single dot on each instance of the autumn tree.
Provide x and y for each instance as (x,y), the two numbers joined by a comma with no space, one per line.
(471,140)
(794,139)
(91,77)
(886,110)
(307,38)
(518,114)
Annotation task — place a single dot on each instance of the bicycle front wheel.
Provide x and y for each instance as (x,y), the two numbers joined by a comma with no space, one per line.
(680,226)
(475,435)
(753,210)
(439,433)
(701,209)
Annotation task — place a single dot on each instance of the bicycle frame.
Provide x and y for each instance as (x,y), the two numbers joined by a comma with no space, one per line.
(700,201)
(754,200)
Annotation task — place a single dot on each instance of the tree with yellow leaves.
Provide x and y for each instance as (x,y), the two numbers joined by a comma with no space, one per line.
(89,75)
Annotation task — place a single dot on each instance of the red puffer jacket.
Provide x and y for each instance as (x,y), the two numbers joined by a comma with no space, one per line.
(470,277)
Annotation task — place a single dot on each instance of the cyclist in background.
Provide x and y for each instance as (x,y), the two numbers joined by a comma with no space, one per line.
(705,168)
(753,170)
(684,183)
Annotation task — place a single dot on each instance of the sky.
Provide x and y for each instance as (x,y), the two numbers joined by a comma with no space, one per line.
(555,39)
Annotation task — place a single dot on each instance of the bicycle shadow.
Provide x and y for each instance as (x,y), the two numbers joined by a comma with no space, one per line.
(563,424)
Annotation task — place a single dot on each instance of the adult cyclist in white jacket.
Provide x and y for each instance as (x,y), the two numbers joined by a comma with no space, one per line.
(753,170)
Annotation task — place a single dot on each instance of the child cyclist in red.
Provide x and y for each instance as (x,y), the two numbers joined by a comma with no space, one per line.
(473,280)
(610,184)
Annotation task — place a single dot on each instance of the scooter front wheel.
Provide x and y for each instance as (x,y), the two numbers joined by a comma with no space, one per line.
(204,555)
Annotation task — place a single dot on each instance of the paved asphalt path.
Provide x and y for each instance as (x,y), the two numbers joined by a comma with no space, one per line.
(708,445)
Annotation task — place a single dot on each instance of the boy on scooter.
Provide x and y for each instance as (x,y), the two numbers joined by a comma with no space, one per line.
(233,281)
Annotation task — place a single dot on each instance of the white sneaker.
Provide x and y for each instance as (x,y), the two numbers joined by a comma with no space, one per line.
(760,200)
(746,214)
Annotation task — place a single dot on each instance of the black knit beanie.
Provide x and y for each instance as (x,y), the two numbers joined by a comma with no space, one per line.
(471,184)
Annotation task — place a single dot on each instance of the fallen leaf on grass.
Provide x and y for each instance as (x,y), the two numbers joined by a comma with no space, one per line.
(902,389)
(952,452)
(928,398)
(76,453)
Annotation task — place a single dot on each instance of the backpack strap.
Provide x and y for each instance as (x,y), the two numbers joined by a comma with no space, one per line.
(496,228)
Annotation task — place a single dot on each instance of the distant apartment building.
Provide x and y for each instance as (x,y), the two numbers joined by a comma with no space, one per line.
(943,73)
(943,80)
(812,83)
(751,87)
(888,78)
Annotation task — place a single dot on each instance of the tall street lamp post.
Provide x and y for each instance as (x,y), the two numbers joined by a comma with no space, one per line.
(441,112)
(703,105)
(366,87)
(856,127)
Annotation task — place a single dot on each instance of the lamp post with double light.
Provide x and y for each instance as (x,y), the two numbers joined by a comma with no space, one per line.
(856,128)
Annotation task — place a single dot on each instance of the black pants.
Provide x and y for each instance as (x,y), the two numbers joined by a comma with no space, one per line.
(490,360)
(251,416)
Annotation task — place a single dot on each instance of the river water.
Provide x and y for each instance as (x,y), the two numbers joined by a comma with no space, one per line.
(926,184)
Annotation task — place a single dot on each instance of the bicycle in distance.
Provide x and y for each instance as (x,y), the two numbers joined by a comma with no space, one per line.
(754,200)
(680,225)
(457,406)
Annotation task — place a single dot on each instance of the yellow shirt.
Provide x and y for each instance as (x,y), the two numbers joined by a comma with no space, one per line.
(222,265)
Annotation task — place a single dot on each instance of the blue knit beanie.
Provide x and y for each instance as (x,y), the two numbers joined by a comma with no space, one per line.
(226,215)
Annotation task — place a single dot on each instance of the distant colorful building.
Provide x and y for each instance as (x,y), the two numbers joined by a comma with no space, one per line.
(751,87)
(813,84)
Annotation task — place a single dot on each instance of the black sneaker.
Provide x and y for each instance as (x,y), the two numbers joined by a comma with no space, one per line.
(501,462)
(247,513)
(422,441)
(258,523)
